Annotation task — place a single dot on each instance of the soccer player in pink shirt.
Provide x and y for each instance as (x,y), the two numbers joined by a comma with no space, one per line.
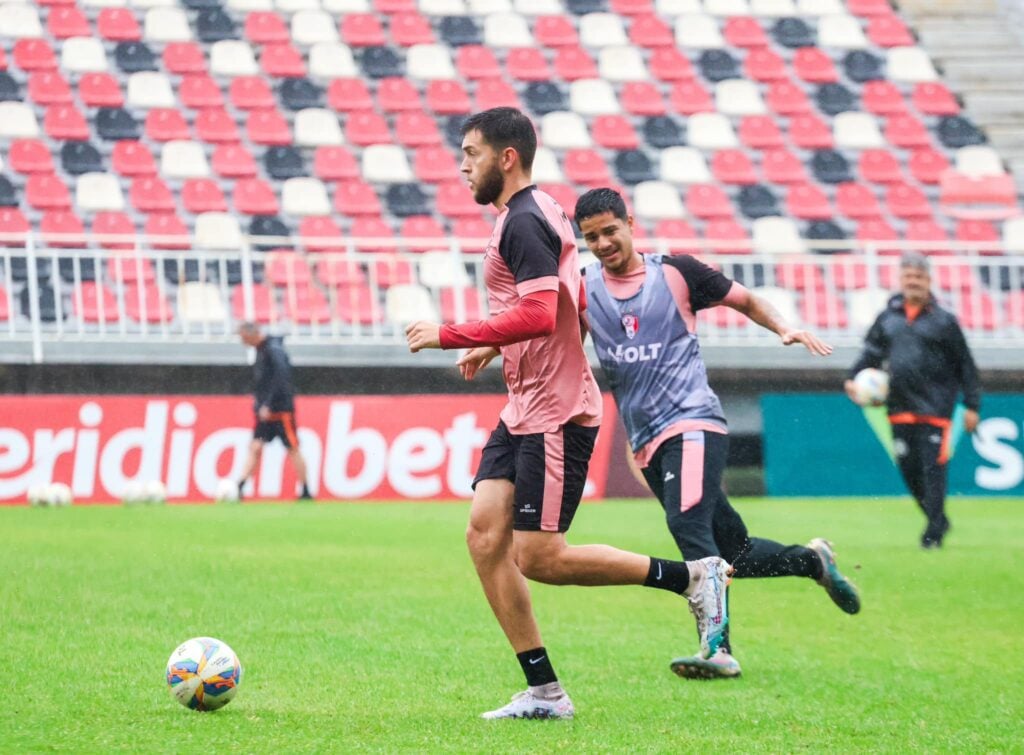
(534,466)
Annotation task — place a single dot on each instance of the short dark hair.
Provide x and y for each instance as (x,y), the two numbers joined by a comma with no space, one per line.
(600,201)
(249,328)
(503,127)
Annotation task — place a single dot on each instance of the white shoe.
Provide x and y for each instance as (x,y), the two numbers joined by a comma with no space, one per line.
(527,705)
(708,605)
(719,666)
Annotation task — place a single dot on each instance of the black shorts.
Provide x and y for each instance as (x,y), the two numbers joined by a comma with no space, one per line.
(549,471)
(280,425)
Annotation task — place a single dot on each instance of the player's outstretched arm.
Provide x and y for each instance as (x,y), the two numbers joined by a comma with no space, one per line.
(762,312)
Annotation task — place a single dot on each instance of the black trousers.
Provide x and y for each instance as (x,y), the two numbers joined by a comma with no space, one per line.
(685,474)
(921,452)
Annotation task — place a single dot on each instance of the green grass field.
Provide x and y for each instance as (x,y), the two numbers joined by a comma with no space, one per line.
(362,627)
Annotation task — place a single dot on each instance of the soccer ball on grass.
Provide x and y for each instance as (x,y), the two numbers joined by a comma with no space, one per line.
(226,491)
(203,674)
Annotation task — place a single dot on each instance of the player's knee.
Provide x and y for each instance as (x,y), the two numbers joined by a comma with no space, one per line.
(539,560)
(484,541)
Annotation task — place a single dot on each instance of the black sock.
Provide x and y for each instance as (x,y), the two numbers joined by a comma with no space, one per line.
(668,575)
(305,491)
(537,667)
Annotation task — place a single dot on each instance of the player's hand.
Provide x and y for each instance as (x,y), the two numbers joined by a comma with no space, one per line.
(970,420)
(264,414)
(474,360)
(851,391)
(814,344)
(423,335)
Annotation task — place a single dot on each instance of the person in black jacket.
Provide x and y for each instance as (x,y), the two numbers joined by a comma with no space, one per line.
(273,403)
(929,366)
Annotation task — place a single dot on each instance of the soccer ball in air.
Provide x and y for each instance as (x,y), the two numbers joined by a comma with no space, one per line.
(154,491)
(203,674)
(871,387)
(226,491)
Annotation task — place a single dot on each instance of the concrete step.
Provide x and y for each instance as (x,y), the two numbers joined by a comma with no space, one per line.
(924,8)
(995,106)
(982,70)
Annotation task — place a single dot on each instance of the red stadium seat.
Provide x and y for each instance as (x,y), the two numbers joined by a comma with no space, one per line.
(977,232)
(927,165)
(269,128)
(34,55)
(349,96)
(555,31)
(362,30)
(764,65)
(786,98)
(689,97)
(824,311)
(808,202)
(586,167)
(760,132)
(167,231)
(372,234)
(906,132)
(1014,308)
(130,268)
(779,166)
(879,166)
(30,156)
(364,129)
(49,88)
(357,305)
(454,200)
(147,303)
(472,233)
(93,302)
(421,233)
(475,62)
(395,94)
(216,126)
(810,132)
(198,91)
(339,270)
(849,272)
(857,201)
(285,268)
(732,166)
(978,197)
(46,192)
(334,164)
(877,230)
(282,61)
(648,31)
(889,31)
(321,234)
(708,201)
(13,227)
(434,164)
(5,306)
(306,305)
(933,98)
(62,229)
(564,194)
(979,311)
(3,59)
(573,63)
(642,98)
(184,57)
(812,65)
(614,132)
(800,276)
(251,93)
(447,97)
(744,31)
(495,93)
(527,64)
(66,22)
(882,98)
(869,7)
(679,234)
(233,161)
(264,307)
(466,297)
(925,229)
(203,195)
(253,196)
(906,201)
(727,237)
(150,194)
(100,90)
(118,25)
(410,28)
(632,7)
(164,125)
(264,27)
(132,159)
(417,130)
(956,277)
(722,317)
(390,271)
(355,198)
(65,123)
(669,64)
(113,230)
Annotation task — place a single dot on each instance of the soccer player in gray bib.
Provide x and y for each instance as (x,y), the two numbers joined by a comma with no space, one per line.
(641,312)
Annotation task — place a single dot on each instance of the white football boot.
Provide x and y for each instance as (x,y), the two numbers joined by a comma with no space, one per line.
(527,705)
(706,596)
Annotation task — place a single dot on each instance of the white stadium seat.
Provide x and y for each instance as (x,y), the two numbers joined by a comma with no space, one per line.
(304,196)
(602,30)
(854,130)
(772,8)
(777,235)
(104,3)
(545,167)
(346,6)
(200,303)
(910,64)
(247,6)
(1013,236)
(593,97)
(657,200)
(782,299)
(148,89)
(488,7)
(18,21)
(83,55)
(332,60)
(294,6)
(538,7)
(673,8)
(865,306)
(95,192)
(977,160)
(312,26)
(429,63)
(711,131)
(507,30)
(738,97)
(684,165)
(386,163)
(147,4)
(842,32)
(440,268)
(167,25)
(183,159)
(699,32)
(621,64)
(232,57)
(409,302)
(564,130)
(727,7)
(17,121)
(317,127)
(820,7)
(443,7)
(218,230)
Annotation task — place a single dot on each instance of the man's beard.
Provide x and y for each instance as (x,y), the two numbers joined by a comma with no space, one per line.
(490,187)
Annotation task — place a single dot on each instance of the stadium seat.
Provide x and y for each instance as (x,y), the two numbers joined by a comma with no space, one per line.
(779,166)
(149,89)
(166,124)
(907,202)
(61,228)
(738,97)
(66,22)
(338,270)
(786,98)
(268,127)
(265,27)
(119,25)
(354,198)
(760,132)
(34,55)
(95,192)
(633,167)
(784,301)
(906,132)
(233,161)
(662,131)
(718,65)
(834,98)
(812,65)
(933,98)
(573,63)
(808,202)
(883,98)
(504,30)
(200,303)
(298,93)
(745,32)
(320,234)
(857,201)
(598,30)
(315,127)
(216,126)
(711,131)
(202,195)
(232,57)
(669,64)
(334,164)
(49,88)
(823,311)
(619,64)
(184,57)
(420,233)
(830,167)
(80,157)
(684,165)
(460,30)
(252,196)
(461,304)
(700,32)
(645,31)
(793,33)
(304,196)
(956,131)
(841,32)
(217,230)
(757,201)
(909,65)
(282,61)
(49,306)
(614,132)
(100,90)
(855,130)
(264,306)
(732,167)
(65,123)
(283,162)
(46,192)
(764,65)
(388,270)
(407,303)
(93,303)
(30,156)
(927,165)
(810,132)
(708,201)
(861,66)
(690,97)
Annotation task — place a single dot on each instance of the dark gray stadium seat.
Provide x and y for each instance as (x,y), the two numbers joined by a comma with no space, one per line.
(8,194)
(47,303)
(214,25)
(825,230)
(9,89)
(459,30)
(718,65)
(299,94)
(80,157)
(201,4)
(834,99)
(184,270)
(831,167)
(956,131)
(380,62)
(133,57)
(543,97)
(270,226)
(756,201)
(86,268)
(114,123)
(861,66)
(582,7)
(633,166)
(453,130)
(793,33)
(663,131)
(19,269)
(284,162)
(407,200)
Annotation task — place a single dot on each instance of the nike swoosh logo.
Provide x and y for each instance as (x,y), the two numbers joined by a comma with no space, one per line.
(535,661)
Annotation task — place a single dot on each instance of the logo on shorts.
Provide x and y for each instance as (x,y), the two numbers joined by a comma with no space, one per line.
(631,324)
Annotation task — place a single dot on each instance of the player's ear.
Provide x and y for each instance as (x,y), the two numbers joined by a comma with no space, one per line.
(509,158)
(629,222)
